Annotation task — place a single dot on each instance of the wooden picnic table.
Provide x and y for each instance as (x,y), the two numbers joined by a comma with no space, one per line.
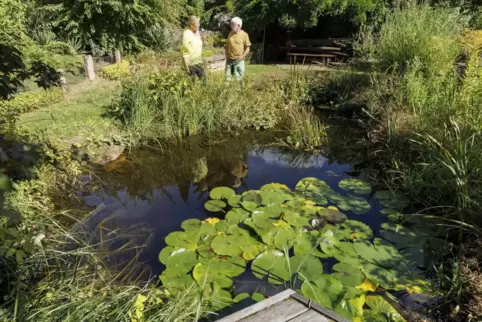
(321,48)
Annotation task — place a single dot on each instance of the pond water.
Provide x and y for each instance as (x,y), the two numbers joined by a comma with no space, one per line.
(148,194)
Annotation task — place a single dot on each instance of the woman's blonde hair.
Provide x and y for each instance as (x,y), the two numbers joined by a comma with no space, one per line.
(193,20)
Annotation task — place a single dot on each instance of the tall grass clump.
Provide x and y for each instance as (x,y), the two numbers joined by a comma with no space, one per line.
(305,130)
(420,32)
(167,105)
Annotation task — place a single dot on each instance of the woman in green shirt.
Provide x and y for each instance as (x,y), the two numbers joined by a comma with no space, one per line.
(192,47)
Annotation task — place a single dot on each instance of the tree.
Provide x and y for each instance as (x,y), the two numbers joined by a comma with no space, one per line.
(115,23)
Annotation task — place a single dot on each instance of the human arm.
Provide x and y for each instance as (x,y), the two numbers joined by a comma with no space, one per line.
(185,51)
(247,46)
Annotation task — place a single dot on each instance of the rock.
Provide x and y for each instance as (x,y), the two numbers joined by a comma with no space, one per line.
(108,154)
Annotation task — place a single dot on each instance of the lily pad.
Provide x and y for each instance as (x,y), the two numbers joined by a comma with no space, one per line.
(326,290)
(181,260)
(351,309)
(221,246)
(348,274)
(332,215)
(328,242)
(251,251)
(181,239)
(356,185)
(220,299)
(378,275)
(176,281)
(357,204)
(214,205)
(315,184)
(222,193)
(308,267)
(357,230)
(235,201)
(307,243)
(284,239)
(313,292)
(295,219)
(320,199)
(258,297)
(191,224)
(236,216)
(206,251)
(222,226)
(240,297)
(397,201)
(165,253)
(271,263)
(382,308)
(271,197)
(206,274)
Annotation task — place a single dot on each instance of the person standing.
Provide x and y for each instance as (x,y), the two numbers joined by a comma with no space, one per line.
(192,47)
(237,48)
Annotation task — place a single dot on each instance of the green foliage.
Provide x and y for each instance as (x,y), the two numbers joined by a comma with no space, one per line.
(59,47)
(116,71)
(25,102)
(305,130)
(214,251)
(168,105)
(429,35)
(12,21)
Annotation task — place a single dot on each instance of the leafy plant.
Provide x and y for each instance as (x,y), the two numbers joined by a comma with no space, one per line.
(116,71)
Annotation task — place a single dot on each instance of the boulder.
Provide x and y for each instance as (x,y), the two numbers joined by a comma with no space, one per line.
(108,154)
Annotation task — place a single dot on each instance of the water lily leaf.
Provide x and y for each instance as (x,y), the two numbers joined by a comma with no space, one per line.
(300,202)
(332,215)
(314,293)
(315,184)
(357,204)
(397,201)
(242,296)
(221,246)
(252,196)
(378,275)
(357,230)
(383,194)
(351,309)
(176,281)
(345,253)
(206,274)
(236,216)
(214,205)
(271,197)
(191,224)
(222,226)
(235,201)
(340,201)
(181,239)
(249,206)
(380,307)
(348,274)
(327,242)
(366,251)
(206,251)
(271,263)
(307,243)
(281,224)
(317,197)
(219,193)
(284,239)
(388,211)
(356,185)
(208,229)
(295,219)
(415,256)
(181,260)
(250,251)
(165,253)
(258,297)
(308,267)
(352,293)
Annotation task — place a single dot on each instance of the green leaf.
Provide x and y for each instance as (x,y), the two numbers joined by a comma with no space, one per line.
(181,239)
(165,253)
(215,205)
(240,297)
(181,260)
(357,204)
(235,201)
(222,193)
(271,263)
(222,226)
(284,239)
(356,185)
(221,247)
(236,216)
(332,215)
(308,267)
(327,242)
(348,274)
(206,274)
(357,230)
(175,281)
(381,307)
(258,297)
(271,197)
(191,224)
(314,293)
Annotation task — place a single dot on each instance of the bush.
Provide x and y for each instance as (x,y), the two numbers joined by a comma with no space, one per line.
(471,41)
(116,71)
(305,130)
(59,47)
(420,32)
(25,102)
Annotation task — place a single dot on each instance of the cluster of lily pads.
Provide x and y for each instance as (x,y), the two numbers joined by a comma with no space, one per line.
(289,237)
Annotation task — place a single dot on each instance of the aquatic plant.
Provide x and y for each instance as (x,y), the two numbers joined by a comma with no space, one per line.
(285,236)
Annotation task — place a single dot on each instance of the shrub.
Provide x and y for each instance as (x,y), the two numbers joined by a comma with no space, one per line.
(471,41)
(422,32)
(116,71)
(25,102)
(59,47)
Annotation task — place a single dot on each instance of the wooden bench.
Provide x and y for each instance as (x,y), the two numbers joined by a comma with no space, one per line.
(327,49)
(325,58)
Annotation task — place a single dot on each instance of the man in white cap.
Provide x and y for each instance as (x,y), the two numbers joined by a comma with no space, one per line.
(237,48)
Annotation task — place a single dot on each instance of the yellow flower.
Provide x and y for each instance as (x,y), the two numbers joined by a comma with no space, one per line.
(212,221)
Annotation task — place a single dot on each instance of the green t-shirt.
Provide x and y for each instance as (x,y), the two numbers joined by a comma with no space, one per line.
(236,44)
(192,47)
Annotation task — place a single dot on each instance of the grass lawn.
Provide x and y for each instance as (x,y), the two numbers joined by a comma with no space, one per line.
(80,114)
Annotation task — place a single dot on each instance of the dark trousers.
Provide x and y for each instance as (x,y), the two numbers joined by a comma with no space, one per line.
(197,71)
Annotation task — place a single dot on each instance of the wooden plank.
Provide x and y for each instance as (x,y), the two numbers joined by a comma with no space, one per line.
(311,55)
(310,316)
(280,312)
(258,306)
(318,308)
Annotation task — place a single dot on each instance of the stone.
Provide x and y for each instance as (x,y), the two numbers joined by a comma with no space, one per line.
(108,154)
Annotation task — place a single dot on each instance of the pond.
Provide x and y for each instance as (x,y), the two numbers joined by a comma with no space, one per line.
(147,195)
